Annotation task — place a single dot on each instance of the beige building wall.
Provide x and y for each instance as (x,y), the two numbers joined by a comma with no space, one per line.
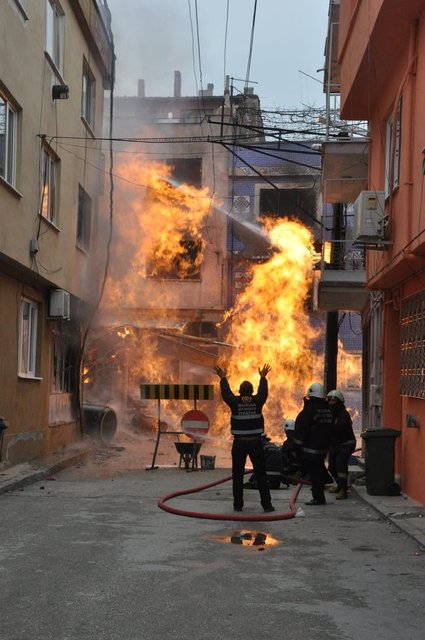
(166,119)
(38,255)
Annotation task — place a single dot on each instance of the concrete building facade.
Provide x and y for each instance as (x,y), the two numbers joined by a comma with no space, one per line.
(55,64)
(173,318)
(380,67)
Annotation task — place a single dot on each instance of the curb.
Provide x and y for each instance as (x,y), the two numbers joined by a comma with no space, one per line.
(23,475)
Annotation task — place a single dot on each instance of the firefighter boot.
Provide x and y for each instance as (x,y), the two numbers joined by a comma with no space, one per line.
(341,495)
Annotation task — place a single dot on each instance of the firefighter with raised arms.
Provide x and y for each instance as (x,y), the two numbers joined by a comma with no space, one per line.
(247,428)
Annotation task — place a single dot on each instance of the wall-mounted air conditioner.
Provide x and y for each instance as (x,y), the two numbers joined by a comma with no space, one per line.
(369,217)
(60,304)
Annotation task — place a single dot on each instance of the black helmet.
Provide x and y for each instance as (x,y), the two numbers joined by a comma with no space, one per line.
(246,388)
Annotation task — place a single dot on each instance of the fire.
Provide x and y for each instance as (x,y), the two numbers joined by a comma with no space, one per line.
(159,234)
(270,323)
(124,332)
(349,368)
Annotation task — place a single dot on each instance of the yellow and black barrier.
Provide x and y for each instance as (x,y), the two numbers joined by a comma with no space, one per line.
(176,391)
(160,392)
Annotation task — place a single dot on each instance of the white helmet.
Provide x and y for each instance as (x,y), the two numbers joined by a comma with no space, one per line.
(316,390)
(336,393)
(289,425)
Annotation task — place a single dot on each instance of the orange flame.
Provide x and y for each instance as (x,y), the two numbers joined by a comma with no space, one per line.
(270,323)
(159,234)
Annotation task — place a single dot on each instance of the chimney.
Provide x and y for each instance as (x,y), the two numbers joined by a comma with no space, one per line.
(209,91)
(141,88)
(177,84)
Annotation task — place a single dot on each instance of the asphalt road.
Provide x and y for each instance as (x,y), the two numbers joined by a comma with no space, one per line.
(89,555)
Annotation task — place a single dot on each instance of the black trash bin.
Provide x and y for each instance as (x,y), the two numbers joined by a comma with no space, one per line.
(379,461)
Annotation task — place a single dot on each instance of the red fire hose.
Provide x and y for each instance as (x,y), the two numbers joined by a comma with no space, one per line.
(226,516)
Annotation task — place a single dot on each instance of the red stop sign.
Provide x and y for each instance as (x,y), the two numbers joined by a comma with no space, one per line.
(195,423)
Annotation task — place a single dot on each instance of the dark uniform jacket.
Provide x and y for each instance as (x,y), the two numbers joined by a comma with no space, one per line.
(246,418)
(313,429)
(342,434)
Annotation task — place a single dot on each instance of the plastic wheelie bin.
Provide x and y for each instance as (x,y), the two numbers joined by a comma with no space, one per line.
(379,460)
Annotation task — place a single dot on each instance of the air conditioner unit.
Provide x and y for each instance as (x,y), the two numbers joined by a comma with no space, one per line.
(369,217)
(60,304)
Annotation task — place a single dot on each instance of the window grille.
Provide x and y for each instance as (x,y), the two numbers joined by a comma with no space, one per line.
(412,346)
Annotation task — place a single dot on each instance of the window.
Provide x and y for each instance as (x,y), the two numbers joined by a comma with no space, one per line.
(392,153)
(8,128)
(61,381)
(22,6)
(83,219)
(28,338)
(49,177)
(55,33)
(184,265)
(297,203)
(186,170)
(88,96)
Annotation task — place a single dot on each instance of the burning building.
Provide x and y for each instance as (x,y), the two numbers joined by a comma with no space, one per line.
(171,309)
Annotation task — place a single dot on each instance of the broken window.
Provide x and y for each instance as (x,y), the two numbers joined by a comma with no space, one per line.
(289,203)
(185,264)
(186,171)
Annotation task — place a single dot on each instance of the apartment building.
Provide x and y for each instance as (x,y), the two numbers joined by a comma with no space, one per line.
(55,65)
(379,68)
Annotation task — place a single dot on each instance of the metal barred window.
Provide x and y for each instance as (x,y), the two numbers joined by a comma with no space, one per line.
(412,346)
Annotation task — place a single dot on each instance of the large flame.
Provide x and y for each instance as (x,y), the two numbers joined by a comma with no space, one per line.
(270,324)
(158,235)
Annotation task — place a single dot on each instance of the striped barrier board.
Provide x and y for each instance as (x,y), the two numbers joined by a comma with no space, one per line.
(176,391)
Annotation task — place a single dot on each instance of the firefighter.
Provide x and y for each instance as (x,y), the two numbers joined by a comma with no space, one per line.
(247,428)
(291,469)
(342,443)
(272,454)
(312,435)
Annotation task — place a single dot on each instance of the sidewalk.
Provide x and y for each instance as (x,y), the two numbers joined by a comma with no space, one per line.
(405,513)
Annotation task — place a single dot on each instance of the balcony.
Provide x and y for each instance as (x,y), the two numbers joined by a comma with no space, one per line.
(344,169)
(340,283)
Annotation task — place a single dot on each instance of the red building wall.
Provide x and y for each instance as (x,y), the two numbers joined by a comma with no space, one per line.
(382,59)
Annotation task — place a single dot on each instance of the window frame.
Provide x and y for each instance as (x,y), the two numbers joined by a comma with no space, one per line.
(22,6)
(27,347)
(55,34)
(392,164)
(61,364)
(8,171)
(49,177)
(84,214)
(88,96)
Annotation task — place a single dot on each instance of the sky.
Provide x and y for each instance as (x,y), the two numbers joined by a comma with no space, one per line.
(154,38)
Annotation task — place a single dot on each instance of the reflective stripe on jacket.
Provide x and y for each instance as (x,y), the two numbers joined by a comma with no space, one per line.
(247,418)
(313,428)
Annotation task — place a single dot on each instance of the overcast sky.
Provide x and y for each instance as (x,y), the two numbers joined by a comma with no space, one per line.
(153,38)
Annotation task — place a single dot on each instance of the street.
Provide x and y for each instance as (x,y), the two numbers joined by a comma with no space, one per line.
(87,554)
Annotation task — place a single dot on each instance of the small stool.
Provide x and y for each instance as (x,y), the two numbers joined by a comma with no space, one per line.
(188,454)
